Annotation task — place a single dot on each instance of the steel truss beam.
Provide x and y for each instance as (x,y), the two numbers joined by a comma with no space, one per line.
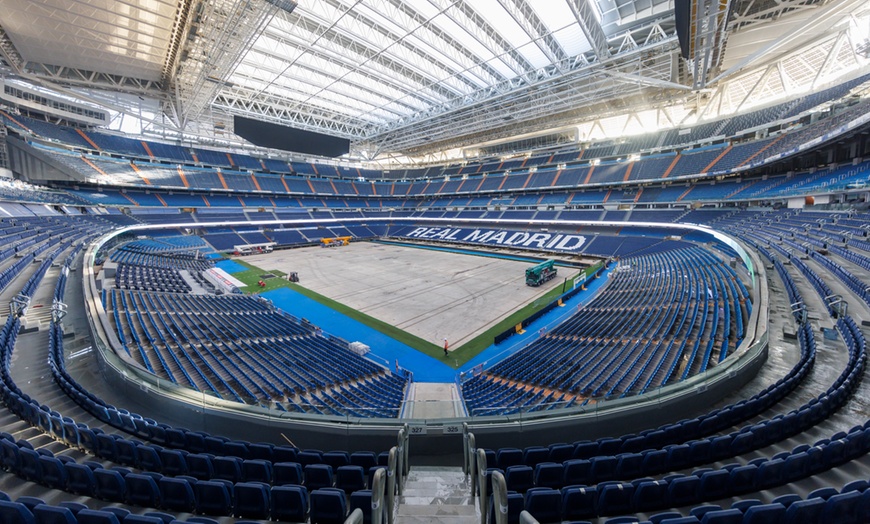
(523,14)
(782,76)
(707,29)
(637,68)
(487,36)
(586,17)
(212,55)
(444,42)
(546,104)
(747,13)
(826,18)
(9,51)
(339,42)
(74,77)
(336,56)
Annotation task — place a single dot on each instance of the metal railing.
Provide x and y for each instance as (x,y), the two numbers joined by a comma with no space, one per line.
(482,495)
(379,490)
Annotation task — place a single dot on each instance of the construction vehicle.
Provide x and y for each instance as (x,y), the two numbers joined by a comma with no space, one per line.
(334,242)
(543,272)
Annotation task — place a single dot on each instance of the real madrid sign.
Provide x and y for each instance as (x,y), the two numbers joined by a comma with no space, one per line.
(501,237)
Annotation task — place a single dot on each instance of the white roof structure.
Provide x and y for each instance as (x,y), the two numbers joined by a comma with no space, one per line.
(411,77)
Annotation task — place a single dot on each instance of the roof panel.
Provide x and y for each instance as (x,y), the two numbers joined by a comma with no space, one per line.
(559,18)
(127,38)
(502,21)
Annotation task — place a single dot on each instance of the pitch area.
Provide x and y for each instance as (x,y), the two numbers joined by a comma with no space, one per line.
(429,294)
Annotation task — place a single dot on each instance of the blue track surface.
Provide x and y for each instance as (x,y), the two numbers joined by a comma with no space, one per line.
(424,367)
(231,266)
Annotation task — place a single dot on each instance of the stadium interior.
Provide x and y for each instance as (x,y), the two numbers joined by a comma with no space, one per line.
(430,261)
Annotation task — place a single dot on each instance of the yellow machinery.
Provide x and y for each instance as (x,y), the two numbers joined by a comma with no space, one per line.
(333,242)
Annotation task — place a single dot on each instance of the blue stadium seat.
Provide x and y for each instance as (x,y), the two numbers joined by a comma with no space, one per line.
(366,459)
(805,511)
(251,500)
(310,456)
(142,490)
(614,498)
(173,462)
(15,513)
(200,466)
(110,485)
(290,503)
(579,502)
(142,519)
(506,457)
(577,471)
(549,475)
(257,470)
(545,504)
(515,506)
(318,476)
(177,494)
(723,516)
(336,459)
(53,472)
(350,478)
(519,478)
(228,468)
(328,506)
(213,498)
(46,514)
(560,452)
(92,516)
(650,495)
(534,455)
(845,508)
(148,458)
(683,490)
(765,514)
(287,473)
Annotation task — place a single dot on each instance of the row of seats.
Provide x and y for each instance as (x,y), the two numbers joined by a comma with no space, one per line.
(133,255)
(243,501)
(155,150)
(702,160)
(128,276)
(224,351)
(849,505)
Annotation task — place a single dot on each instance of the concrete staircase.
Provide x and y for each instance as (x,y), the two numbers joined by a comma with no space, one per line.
(437,495)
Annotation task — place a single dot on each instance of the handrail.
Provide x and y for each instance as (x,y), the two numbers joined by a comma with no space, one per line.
(355,517)
(378,496)
(481,484)
(527,518)
(407,447)
(391,483)
(402,453)
(499,497)
(469,456)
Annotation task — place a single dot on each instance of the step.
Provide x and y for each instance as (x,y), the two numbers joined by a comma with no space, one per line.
(437,495)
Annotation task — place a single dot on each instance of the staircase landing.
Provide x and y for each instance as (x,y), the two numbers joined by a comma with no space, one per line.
(434,400)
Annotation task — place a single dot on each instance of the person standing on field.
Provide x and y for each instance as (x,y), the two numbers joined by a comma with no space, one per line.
(446,345)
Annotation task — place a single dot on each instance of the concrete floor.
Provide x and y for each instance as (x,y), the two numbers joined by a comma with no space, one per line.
(431,294)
